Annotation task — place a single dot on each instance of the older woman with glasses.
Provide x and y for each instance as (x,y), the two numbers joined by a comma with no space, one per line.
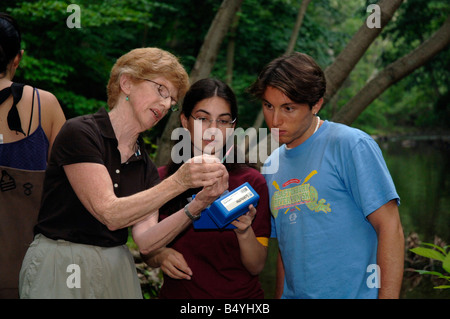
(99,182)
(214,263)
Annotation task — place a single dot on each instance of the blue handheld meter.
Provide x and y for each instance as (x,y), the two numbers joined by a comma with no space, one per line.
(227,208)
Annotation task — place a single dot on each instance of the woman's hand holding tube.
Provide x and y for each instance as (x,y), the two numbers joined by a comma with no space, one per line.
(199,171)
(149,234)
(209,193)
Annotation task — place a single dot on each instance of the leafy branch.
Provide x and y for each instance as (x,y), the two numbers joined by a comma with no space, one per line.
(437,253)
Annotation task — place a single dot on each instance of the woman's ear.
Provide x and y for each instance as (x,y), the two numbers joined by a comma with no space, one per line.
(184,120)
(12,67)
(17,59)
(125,83)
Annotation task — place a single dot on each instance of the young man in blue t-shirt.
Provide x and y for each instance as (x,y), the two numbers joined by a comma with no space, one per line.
(333,202)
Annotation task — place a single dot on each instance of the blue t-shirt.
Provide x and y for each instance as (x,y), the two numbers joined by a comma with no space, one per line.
(320,198)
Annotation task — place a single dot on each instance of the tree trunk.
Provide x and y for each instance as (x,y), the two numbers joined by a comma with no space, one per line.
(231,49)
(294,36)
(298,24)
(340,69)
(202,68)
(216,33)
(394,73)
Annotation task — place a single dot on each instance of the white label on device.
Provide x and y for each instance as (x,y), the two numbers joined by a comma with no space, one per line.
(237,198)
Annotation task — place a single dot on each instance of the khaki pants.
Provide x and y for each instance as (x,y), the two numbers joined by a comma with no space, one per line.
(62,269)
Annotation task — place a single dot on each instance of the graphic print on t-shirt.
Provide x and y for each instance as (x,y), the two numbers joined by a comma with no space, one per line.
(304,194)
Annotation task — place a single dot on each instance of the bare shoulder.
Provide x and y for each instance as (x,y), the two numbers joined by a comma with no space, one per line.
(50,106)
(52,114)
(48,99)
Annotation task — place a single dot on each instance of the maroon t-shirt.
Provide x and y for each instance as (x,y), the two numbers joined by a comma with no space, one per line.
(214,255)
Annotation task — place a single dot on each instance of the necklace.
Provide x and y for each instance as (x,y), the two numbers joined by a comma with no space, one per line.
(317,127)
(318,122)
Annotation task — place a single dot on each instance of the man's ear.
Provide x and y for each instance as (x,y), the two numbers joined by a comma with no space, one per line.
(316,108)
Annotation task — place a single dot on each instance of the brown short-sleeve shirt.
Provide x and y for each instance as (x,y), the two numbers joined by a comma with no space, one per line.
(89,138)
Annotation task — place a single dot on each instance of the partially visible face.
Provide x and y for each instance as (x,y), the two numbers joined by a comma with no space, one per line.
(206,136)
(149,106)
(294,121)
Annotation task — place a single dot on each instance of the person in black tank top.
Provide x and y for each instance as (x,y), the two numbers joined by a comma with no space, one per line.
(26,135)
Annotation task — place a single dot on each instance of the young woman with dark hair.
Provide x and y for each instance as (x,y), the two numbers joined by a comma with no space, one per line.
(215,263)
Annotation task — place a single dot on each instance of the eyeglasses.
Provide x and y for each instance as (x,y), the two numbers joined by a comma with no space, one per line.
(206,121)
(164,93)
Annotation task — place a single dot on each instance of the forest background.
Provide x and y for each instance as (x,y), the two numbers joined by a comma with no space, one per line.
(389,81)
(74,63)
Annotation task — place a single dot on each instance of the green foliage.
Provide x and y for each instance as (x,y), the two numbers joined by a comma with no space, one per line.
(78,104)
(74,64)
(438,253)
(151,147)
(44,70)
(422,99)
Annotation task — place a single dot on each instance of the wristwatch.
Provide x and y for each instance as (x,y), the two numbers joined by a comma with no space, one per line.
(188,213)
